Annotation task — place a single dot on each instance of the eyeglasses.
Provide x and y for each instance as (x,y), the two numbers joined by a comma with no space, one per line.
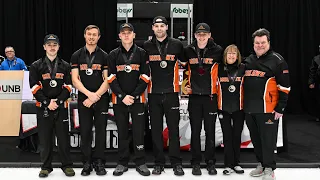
(9,52)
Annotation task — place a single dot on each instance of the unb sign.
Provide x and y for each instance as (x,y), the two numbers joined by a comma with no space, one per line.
(10,89)
(123,9)
(181,10)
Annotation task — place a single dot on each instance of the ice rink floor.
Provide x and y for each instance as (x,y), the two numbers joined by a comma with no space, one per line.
(57,174)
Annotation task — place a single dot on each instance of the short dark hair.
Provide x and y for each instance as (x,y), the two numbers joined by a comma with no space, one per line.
(261,32)
(91,27)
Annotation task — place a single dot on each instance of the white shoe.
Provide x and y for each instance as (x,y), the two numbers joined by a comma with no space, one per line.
(268,174)
(258,171)
(238,169)
(228,171)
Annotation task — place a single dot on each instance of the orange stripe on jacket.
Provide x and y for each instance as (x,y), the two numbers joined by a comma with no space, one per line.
(150,84)
(145,78)
(176,87)
(68,87)
(111,78)
(271,95)
(114,98)
(214,78)
(143,98)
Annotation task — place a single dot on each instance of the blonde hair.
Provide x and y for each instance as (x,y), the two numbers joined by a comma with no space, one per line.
(231,47)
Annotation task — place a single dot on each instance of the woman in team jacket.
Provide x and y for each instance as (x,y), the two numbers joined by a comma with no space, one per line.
(231,115)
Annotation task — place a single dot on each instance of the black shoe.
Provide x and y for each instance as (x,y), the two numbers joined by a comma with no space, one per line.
(120,169)
(196,170)
(178,171)
(44,173)
(157,170)
(87,168)
(211,169)
(238,169)
(143,170)
(99,168)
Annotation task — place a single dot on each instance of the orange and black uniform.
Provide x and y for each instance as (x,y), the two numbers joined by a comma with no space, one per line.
(97,114)
(52,122)
(129,82)
(203,100)
(231,115)
(266,87)
(163,97)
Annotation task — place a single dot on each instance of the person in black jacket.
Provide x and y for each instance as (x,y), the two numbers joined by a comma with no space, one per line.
(313,81)
(89,76)
(163,98)
(266,87)
(202,58)
(50,83)
(128,78)
(230,101)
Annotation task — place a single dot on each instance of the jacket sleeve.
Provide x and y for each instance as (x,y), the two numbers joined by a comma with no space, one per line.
(313,71)
(144,75)
(283,85)
(23,65)
(66,88)
(112,76)
(36,86)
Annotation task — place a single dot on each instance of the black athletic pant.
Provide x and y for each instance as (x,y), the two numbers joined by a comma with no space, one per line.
(263,133)
(57,123)
(202,107)
(121,113)
(232,125)
(95,115)
(168,105)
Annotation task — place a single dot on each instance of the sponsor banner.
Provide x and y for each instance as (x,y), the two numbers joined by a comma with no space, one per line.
(123,9)
(10,89)
(181,10)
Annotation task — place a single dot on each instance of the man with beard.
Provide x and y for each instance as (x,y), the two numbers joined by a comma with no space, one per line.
(163,89)
(89,76)
(50,83)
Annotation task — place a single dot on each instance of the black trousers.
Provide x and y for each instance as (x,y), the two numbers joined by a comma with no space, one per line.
(232,125)
(95,115)
(56,123)
(137,112)
(202,107)
(263,133)
(168,105)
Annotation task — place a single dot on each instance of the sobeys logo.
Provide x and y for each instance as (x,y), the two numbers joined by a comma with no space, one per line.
(124,10)
(180,10)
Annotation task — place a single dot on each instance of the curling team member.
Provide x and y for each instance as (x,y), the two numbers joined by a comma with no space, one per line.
(203,57)
(128,79)
(50,83)
(231,115)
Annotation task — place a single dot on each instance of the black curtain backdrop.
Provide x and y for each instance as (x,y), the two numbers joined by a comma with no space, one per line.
(295,33)
(24,23)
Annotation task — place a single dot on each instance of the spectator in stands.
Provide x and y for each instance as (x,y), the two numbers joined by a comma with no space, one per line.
(230,114)
(12,62)
(266,87)
(50,83)
(90,77)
